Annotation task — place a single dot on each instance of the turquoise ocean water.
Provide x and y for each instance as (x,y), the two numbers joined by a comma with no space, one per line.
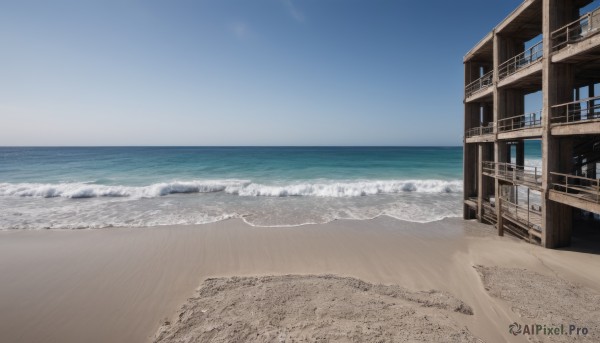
(96,187)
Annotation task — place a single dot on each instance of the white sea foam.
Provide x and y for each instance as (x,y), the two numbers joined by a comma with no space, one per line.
(83,190)
(278,204)
(235,187)
(348,189)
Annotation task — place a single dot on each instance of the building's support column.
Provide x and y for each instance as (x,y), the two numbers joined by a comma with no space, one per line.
(472,119)
(480,182)
(500,55)
(470,177)
(485,184)
(558,88)
(472,112)
(501,150)
(489,182)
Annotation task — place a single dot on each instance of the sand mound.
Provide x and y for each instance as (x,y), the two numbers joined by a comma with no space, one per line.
(315,309)
(545,300)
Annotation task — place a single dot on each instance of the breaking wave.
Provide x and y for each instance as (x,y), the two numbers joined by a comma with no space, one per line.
(234,187)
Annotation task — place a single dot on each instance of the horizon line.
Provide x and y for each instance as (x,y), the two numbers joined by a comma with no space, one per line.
(231,146)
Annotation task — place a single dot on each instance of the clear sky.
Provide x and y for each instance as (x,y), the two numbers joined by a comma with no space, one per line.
(245,72)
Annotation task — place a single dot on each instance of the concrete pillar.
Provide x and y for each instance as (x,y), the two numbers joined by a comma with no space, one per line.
(470,160)
(485,184)
(479,182)
(469,177)
(500,155)
(499,56)
(472,119)
(557,82)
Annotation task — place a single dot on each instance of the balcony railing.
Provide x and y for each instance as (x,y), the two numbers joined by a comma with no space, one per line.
(480,84)
(576,111)
(521,61)
(577,186)
(526,175)
(480,131)
(520,122)
(528,216)
(582,28)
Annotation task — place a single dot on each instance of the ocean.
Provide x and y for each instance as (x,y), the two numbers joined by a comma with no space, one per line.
(99,187)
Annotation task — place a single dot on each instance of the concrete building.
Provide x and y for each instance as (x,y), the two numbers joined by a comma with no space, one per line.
(552,47)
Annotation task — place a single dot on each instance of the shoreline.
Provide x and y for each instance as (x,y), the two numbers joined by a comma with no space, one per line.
(121,284)
(240,218)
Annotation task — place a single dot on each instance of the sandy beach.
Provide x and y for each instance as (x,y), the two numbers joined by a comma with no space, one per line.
(125,284)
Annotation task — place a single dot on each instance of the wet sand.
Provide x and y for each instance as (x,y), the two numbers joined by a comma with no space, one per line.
(122,284)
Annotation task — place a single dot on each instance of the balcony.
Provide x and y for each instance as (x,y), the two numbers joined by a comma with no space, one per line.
(515,174)
(522,218)
(521,61)
(480,134)
(576,191)
(524,125)
(531,217)
(582,28)
(576,115)
(479,85)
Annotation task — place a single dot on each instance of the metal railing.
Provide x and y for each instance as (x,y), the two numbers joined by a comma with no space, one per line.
(582,28)
(480,84)
(528,216)
(523,121)
(576,111)
(520,174)
(521,61)
(480,131)
(527,175)
(577,186)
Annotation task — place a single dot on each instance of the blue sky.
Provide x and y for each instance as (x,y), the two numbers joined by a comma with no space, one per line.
(246,72)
